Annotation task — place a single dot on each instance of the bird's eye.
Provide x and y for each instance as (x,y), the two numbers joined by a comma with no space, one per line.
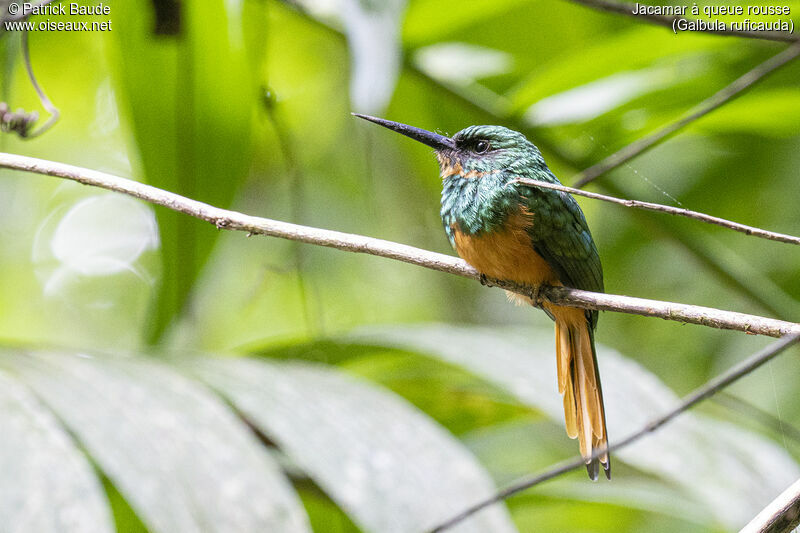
(481,147)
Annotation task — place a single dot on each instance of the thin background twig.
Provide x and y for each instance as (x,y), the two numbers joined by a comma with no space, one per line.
(306,288)
(706,391)
(679,211)
(30,118)
(46,103)
(723,96)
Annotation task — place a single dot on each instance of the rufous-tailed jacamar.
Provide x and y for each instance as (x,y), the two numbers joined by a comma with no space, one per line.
(532,236)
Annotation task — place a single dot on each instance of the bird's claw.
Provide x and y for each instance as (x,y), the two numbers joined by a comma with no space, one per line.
(535,295)
(484,280)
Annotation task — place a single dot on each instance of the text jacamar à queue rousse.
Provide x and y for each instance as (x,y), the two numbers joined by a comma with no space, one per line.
(714,24)
(711,11)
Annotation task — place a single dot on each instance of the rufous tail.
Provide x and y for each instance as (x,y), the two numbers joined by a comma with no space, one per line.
(579,385)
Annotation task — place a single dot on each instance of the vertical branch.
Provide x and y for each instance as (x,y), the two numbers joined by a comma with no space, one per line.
(46,103)
(297,202)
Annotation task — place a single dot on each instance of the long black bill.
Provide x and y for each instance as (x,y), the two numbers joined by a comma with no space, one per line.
(434,140)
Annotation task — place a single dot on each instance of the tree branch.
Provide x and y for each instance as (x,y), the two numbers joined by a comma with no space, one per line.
(231,220)
(668,20)
(702,393)
(722,263)
(700,110)
(782,515)
(749,230)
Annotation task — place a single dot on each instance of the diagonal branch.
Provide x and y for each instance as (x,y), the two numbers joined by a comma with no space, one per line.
(669,20)
(749,230)
(702,393)
(705,107)
(232,220)
(780,516)
(721,262)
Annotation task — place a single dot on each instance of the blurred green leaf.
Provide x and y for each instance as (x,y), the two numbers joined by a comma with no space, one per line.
(323,513)
(608,56)
(9,53)
(426,20)
(461,63)
(455,398)
(191,98)
(388,466)
(47,484)
(644,503)
(773,113)
(124,517)
(173,450)
(546,513)
(580,82)
(733,472)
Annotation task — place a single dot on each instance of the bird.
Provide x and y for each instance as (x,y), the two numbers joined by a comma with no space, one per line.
(529,235)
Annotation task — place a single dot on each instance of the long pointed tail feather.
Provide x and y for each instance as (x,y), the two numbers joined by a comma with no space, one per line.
(579,383)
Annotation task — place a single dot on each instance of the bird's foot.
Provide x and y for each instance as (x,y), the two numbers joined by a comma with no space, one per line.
(485,281)
(535,295)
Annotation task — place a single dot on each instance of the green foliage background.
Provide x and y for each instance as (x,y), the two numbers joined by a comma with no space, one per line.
(248,107)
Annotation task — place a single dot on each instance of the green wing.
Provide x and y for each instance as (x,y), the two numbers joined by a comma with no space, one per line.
(561,236)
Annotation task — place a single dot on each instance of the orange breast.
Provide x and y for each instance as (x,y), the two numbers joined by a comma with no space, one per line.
(506,253)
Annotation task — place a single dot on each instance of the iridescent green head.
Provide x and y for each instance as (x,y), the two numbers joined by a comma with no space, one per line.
(480,165)
(475,151)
